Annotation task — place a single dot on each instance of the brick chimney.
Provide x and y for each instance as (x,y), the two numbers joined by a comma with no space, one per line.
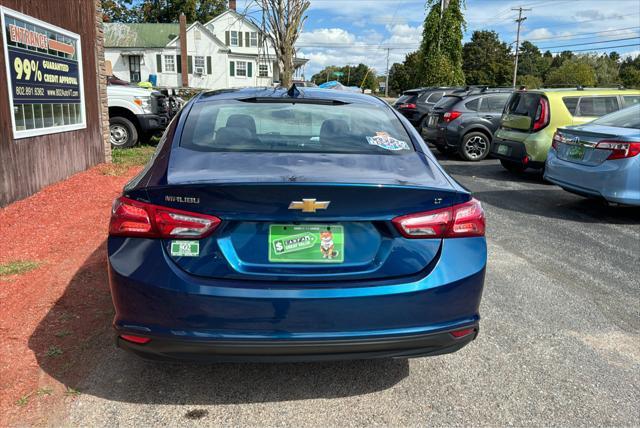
(232,4)
(183,50)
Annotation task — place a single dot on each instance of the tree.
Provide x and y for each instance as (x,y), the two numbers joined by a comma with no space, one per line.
(486,60)
(283,21)
(405,75)
(531,61)
(170,10)
(630,72)
(572,72)
(360,75)
(529,81)
(119,11)
(441,47)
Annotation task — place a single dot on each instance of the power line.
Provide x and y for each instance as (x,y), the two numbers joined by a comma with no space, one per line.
(597,49)
(570,36)
(588,43)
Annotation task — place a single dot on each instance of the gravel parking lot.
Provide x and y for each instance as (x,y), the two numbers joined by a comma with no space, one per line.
(559,341)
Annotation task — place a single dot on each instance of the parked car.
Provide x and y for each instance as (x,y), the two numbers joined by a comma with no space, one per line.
(271,229)
(464,121)
(136,113)
(600,159)
(415,104)
(531,118)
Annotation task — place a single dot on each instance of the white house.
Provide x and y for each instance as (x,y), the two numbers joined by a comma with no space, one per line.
(228,51)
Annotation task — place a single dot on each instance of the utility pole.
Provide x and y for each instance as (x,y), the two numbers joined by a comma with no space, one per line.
(386,84)
(520,20)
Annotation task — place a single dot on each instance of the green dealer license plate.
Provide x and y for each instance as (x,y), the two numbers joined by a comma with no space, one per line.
(310,243)
(576,152)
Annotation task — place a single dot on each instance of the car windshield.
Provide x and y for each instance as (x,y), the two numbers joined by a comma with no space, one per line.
(407,98)
(294,127)
(626,118)
(446,102)
(523,104)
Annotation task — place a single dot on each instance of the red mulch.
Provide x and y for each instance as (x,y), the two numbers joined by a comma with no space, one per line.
(64,304)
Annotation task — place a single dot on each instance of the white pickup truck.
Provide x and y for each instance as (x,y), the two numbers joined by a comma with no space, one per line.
(135,113)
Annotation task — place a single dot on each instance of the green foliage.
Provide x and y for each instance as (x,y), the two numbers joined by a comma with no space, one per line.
(405,75)
(359,75)
(630,72)
(529,81)
(17,267)
(487,60)
(575,71)
(442,44)
(170,10)
(161,10)
(133,156)
(119,11)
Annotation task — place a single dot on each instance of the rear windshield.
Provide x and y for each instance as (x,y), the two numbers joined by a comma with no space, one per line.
(627,118)
(407,98)
(523,104)
(237,126)
(446,102)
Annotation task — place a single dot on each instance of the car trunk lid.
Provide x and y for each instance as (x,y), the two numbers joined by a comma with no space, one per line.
(266,201)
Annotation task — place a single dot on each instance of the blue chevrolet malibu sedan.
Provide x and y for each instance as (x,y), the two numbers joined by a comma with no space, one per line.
(600,159)
(298,225)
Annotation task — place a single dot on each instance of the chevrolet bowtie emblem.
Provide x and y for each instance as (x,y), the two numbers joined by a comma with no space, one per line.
(309,205)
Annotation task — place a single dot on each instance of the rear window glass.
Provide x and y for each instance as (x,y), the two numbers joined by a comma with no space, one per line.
(571,103)
(627,118)
(473,104)
(407,98)
(435,97)
(447,102)
(287,127)
(630,100)
(597,106)
(494,104)
(523,104)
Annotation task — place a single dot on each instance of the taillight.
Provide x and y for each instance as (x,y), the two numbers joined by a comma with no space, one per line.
(542,115)
(462,220)
(410,106)
(451,115)
(140,219)
(557,138)
(620,149)
(140,340)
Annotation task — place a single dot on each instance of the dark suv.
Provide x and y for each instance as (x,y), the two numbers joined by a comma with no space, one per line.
(415,104)
(465,120)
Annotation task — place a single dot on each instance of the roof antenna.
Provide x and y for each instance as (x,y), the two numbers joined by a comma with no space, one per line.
(293,91)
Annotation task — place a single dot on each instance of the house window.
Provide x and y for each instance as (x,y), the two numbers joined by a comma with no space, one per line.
(134,68)
(170,63)
(254,39)
(241,68)
(263,70)
(234,38)
(198,62)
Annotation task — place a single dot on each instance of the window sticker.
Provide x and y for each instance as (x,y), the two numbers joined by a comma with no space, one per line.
(387,142)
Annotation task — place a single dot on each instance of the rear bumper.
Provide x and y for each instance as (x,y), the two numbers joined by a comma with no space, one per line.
(191,317)
(516,152)
(300,350)
(615,181)
(440,136)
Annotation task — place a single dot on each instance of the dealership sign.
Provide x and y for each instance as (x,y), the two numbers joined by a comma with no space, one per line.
(44,76)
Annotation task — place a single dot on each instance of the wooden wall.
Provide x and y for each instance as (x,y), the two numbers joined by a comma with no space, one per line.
(28,164)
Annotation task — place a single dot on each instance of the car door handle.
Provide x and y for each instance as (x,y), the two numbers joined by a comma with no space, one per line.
(488,116)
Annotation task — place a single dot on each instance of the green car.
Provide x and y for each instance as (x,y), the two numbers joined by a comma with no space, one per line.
(531,118)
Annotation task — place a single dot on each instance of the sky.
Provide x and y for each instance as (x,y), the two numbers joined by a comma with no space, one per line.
(339,32)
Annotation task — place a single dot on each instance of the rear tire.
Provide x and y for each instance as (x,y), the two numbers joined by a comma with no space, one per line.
(513,167)
(423,125)
(475,146)
(122,132)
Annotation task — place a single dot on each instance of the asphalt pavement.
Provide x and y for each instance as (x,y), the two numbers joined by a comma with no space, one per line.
(559,341)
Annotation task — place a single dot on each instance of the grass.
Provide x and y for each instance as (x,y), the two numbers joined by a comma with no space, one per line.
(17,267)
(123,159)
(24,400)
(134,156)
(54,351)
(71,392)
